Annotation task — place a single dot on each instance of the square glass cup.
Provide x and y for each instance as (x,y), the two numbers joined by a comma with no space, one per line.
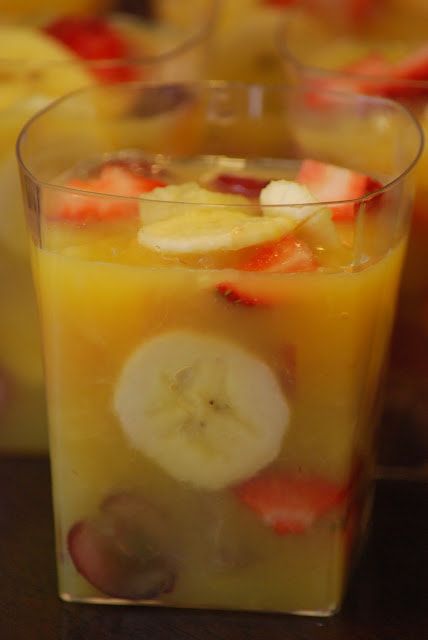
(385,55)
(212,369)
(46,71)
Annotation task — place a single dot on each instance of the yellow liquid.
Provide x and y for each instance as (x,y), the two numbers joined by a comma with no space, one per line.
(101,299)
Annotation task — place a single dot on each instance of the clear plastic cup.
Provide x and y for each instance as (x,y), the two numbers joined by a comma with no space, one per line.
(244,47)
(364,61)
(212,359)
(46,71)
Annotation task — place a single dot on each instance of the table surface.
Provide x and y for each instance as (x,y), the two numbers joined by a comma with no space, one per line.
(387,600)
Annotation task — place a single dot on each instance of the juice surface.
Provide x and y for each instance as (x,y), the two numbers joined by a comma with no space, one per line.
(211,417)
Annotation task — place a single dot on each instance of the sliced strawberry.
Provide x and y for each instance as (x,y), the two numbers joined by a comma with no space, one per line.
(329,183)
(233,293)
(366,75)
(287,255)
(229,183)
(93,39)
(393,80)
(414,66)
(112,179)
(374,64)
(290,504)
(386,79)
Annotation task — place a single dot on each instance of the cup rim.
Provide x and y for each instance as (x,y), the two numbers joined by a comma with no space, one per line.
(236,86)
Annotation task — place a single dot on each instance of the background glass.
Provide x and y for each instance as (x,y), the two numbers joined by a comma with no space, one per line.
(357,60)
(46,70)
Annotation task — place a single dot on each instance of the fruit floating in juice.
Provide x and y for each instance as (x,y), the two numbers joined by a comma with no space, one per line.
(211,377)
(38,65)
(397,69)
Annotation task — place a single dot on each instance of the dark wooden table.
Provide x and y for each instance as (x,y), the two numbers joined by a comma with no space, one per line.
(388,599)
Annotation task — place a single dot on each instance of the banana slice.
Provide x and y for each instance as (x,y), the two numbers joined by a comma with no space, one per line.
(40,67)
(313,219)
(201,230)
(289,198)
(207,411)
(18,42)
(174,199)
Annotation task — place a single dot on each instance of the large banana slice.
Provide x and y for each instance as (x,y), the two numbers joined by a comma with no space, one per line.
(207,411)
(203,229)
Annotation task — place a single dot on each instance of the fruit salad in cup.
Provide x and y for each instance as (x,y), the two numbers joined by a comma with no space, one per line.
(395,67)
(38,64)
(211,379)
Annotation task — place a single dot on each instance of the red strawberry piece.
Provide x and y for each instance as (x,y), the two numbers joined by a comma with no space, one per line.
(228,183)
(112,179)
(367,75)
(93,39)
(287,255)
(374,64)
(233,293)
(409,77)
(393,80)
(386,79)
(290,504)
(329,183)
(414,66)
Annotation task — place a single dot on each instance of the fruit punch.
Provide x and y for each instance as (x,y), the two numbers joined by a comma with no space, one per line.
(211,378)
